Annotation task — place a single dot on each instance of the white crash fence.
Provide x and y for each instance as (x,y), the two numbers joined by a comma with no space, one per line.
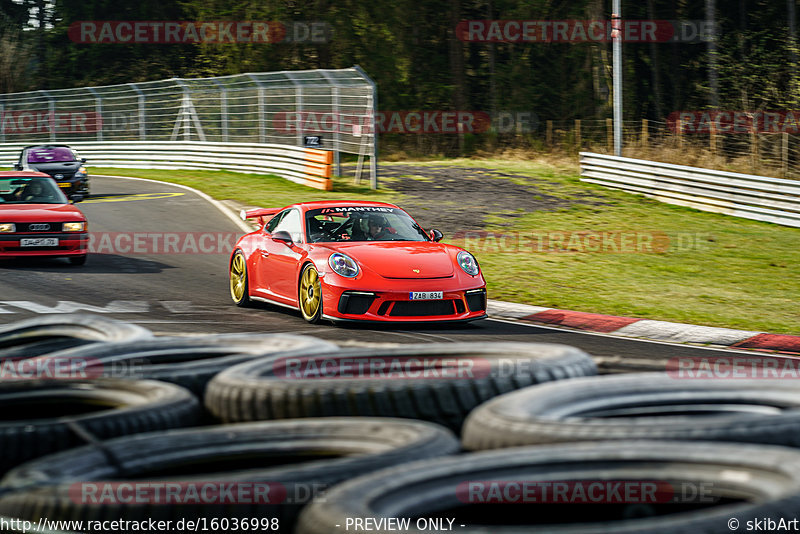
(761,198)
(306,166)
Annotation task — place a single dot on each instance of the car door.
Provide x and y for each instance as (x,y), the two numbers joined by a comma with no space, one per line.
(282,262)
(258,270)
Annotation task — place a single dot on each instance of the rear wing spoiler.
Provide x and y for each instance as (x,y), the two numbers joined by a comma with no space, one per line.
(262,214)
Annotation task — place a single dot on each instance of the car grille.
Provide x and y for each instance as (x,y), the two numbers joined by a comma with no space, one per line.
(476,300)
(39,227)
(354,303)
(65,175)
(422,308)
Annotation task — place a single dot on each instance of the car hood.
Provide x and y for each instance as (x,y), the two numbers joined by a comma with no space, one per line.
(401,259)
(39,213)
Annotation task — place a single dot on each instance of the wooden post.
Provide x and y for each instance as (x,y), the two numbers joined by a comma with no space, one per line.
(785,154)
(578,140)
(549,134)
(645,134)
(610,134)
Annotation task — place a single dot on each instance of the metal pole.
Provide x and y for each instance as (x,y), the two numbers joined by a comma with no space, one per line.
(51,107)
(262,119)
(616,35)
(184,119)
(223,108)
(142,116)
(337,140)
(374,159)
(98,109)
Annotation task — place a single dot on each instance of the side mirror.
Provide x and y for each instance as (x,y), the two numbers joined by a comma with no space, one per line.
(17,167)
(83,160)
(436,235)
(283,236)
(77,197)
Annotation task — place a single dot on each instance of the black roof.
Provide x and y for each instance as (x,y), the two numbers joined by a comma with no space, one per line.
(47,145)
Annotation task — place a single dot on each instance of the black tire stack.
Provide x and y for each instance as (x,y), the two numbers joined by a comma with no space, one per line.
(369,432)
(125,421)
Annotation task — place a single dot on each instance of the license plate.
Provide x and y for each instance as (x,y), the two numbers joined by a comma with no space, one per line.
(39,242)
(64,184)
(426,295)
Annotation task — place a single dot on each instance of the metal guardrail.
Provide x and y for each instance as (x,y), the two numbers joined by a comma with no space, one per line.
(304,166)
(761,198)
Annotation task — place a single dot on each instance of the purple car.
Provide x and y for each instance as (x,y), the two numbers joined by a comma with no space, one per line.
(61,162)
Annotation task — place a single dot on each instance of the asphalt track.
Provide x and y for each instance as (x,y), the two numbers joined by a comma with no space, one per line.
(183,287)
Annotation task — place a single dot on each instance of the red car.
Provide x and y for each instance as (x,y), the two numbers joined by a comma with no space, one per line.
(36,219)
(355,261)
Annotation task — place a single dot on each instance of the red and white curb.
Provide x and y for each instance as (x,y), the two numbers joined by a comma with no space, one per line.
(646,328)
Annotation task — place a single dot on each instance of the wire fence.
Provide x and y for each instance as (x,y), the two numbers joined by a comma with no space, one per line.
(772,154)
(267,108)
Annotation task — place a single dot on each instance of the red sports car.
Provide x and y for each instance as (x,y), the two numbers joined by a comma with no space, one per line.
(36,219)
(355,261)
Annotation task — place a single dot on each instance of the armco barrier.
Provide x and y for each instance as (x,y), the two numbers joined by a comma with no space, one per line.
(304,166)
(760,198)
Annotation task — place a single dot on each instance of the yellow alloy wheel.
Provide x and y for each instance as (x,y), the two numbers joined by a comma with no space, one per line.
(239,280)
(310,296)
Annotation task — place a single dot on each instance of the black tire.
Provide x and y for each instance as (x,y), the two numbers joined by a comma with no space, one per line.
(44,416)
(40,335)
(738,481)
(639,406)
(243,301)
(78,260)
(187,361)
(267,388)
(311,453)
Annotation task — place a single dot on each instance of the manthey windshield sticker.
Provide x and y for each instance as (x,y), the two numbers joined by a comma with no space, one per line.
(346,209)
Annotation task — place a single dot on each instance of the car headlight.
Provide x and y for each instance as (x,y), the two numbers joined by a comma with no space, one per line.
(343,265)
(81,172)
(468,263)
(7,227)
(73,227)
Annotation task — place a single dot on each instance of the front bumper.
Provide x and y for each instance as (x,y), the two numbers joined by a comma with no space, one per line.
(70,186)
(69,244)
(394,304)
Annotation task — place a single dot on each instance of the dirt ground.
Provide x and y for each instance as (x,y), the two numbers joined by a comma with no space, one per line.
(454,199)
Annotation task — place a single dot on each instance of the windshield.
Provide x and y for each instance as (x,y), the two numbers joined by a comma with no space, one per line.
(32,190)
(361,223)
(51,155)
